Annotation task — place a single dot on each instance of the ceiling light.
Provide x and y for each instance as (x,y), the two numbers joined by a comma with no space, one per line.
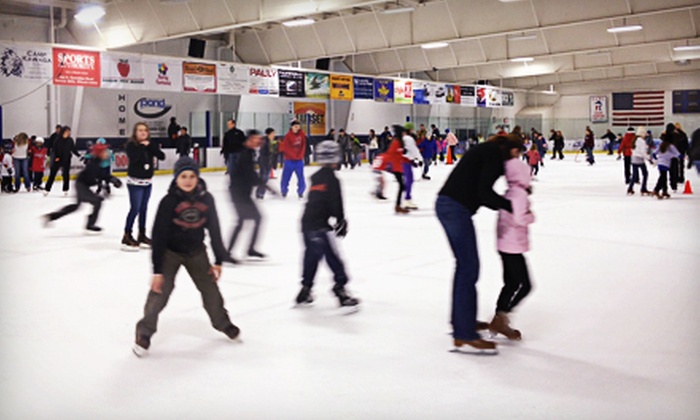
(522,59)
(90,14)
(434,45)
(522,37)
(626,28)
(298,22)
(686,48)
(398,10)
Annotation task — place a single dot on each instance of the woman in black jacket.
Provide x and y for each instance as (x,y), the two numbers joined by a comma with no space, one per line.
(141,153)
(63,151)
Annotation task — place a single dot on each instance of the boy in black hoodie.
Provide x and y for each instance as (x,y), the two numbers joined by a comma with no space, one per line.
(90,176)
(178,240)
(325,202)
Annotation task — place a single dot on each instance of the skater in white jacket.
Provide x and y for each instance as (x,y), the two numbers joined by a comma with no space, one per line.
(640,154)
(413,155)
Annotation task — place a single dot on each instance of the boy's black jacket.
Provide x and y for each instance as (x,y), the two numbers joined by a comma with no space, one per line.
(325,201)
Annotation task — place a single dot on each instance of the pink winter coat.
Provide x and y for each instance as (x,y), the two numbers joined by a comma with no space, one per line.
(513,237)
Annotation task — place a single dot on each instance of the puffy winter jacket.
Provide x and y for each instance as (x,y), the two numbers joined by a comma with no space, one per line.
(640,151)
(512,228)
(627,144)
(294,145)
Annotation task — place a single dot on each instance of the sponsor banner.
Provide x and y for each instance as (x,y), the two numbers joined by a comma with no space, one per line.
(76,67)
(291,83)
(154,111)
(384,90)
(199,77)
(437,94)
(232,79)
(494,98)
(162,74)
(26,63)
(507,98)
(263,81)
(318,85)
(599,109)
(453,94)
(482,93)
(403,92)
(420,93)
(342,87)
(312,116)
(467,95)
(363,87)
(122,71)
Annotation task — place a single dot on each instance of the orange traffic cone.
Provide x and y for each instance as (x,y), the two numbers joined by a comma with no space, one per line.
(688,189)
(449,157)
(272,173)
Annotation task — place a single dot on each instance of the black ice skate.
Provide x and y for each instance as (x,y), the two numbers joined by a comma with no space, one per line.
(141,345)
(305,298)
(347,302)
(93,230)
(129,244)
(144,241)
(232,332)
(254,255)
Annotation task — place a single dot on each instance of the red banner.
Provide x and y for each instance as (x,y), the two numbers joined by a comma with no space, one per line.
(76,67)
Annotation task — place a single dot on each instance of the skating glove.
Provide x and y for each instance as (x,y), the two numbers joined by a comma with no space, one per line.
(341,228)
(116,181)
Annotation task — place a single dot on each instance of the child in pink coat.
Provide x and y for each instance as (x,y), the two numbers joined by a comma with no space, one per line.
(513,240)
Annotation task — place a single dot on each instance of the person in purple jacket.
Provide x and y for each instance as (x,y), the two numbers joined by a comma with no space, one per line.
(513,240)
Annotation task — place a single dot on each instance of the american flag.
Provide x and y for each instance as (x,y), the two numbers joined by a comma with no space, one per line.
(638,108)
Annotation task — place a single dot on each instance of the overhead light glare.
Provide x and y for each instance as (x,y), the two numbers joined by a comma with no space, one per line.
(298,22)
(434,45)
(681,48)
(90,14)
(522,59)
(626,28)
(522,37)
(398,10)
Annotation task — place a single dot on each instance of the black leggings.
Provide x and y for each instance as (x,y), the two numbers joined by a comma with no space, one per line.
(516,282)
(402,187)
(65,173)
(85,195)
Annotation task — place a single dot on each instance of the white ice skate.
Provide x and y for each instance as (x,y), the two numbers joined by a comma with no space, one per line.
(410,205)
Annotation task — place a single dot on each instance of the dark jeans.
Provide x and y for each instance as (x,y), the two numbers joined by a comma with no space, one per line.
(516,282)
(293,167)
(22,172)
(636,168)
(557,150)
(628,168)
(7,184)
(38,179)
(673,173)
(197,266)
(65,173)
(399,179)
(681,168)
(320,244)
(589,153)
(85,195)
(247,210)
(138,198)
(264,177)
(426,166)
(231,163)
(373,154)
(662,183)
(456,220)
(534,169)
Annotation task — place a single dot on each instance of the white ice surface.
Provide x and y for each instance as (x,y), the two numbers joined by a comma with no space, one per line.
(611,330)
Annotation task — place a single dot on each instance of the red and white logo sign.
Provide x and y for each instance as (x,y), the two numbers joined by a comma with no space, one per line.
(76,67)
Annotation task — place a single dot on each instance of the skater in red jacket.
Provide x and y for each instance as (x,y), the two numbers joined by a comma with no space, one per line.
(293,148)
(626,150)
(38,152)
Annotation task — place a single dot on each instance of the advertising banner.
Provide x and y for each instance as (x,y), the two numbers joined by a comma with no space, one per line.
(507,98)
(263,81)
(26,63)
(467,95)
(363,87)
(482,93)
(162,74)
(198,77)
(494,98)
(342,87)
(437,94)
(122,71)
(231,79)
(154,111)
(599,109)
(403,92)
(318,86)
(420,93)
(312,116)
(291,83)
(384,90)
(76,67)
(453,94)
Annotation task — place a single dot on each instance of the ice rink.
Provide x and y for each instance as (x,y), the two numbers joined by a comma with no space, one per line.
(611,330)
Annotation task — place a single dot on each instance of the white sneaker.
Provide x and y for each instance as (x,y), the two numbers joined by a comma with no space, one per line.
(46,193)
(408,204)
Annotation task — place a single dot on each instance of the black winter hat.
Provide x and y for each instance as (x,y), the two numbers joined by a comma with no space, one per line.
(185,163)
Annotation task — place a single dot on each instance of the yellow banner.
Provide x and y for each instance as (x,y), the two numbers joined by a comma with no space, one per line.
(341,87)
(312,116)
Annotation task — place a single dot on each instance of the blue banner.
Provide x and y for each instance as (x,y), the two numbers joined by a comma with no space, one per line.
(420,93)
(384,90)
(364,87)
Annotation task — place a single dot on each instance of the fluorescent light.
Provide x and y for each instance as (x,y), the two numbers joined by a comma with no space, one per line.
(434,45)
(627,28)
(686,48)
(522,37)
(90,14)
(522,59)
(398,10)
(299,22)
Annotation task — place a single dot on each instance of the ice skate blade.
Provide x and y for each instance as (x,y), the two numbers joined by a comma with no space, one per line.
(474,352)
(303,305)
(144,246)
(127,248)
(139,351)
(349,310)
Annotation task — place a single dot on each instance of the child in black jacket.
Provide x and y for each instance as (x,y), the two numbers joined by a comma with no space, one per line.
(325,202)
(91,175)
(178,240)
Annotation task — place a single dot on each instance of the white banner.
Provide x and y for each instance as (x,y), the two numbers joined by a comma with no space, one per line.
(599,109)
(162,74)
(233,79)
(26,63)
(493,98)
(437,94)
(263,81)
(122,71)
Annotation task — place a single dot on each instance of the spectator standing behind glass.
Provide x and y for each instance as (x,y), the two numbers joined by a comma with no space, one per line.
(20,160)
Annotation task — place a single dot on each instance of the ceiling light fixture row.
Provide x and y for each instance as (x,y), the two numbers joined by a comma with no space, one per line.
(90,14)
(304,21)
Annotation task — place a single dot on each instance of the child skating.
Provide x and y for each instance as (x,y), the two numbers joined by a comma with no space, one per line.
(667,152)
(178,240)
(512,242)
(325,202)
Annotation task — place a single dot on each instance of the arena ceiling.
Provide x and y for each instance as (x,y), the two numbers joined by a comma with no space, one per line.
(567,40)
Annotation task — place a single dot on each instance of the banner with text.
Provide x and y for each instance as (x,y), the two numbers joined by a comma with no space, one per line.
(231,79)
(453,94)
(363,87)
(162,74)
(122,71)
(437,94)
(26,63)
(291,83)
(467,95)
(599,109)
(318,86)
(76,67)
(312,116)
(507,98)
(342,87)
(199,77)
(263,81)
(420,93)
(384,90)
(403,92)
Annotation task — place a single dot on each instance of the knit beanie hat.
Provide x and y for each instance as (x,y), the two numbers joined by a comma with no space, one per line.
(185,163)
